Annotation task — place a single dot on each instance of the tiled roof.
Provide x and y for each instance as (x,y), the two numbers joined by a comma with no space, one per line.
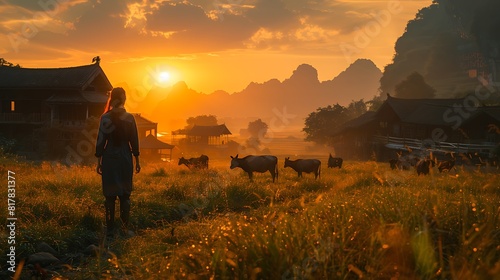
(41,78)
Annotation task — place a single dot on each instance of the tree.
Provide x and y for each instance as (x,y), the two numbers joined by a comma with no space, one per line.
(4,62)
(414,86)
(205,120)
(356,109)
(257,129)
(320,124)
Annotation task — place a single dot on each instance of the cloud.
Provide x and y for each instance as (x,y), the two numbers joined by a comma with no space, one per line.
(148,28)
(177,18)
(47,6)
(272,14)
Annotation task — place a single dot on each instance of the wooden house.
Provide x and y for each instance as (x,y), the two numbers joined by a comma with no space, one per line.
(150,146)
(437,125)
(212,135)
(52,96)
(42,108)
(351,139)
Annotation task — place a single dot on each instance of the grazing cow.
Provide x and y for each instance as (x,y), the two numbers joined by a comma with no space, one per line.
(393,163)
(197,163)
(446,165)
(334,162)
(423,166)
(473,159)
(260,164)
(399,164)
(493,161)
(304,165)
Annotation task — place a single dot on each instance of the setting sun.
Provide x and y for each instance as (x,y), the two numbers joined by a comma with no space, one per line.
(163,77)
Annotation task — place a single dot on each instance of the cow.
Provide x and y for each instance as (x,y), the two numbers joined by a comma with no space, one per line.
(393,163)
(260,164)
(446,165)
(423,166)
(399,164)
(334,162)
(305,165)
(473,159)
(197,163)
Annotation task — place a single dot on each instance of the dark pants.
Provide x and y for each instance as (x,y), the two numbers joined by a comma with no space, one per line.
(110,212)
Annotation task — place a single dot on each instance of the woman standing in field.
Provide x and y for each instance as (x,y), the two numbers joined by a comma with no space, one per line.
(117,141)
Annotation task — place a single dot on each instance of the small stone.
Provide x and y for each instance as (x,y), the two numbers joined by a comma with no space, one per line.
(91,250)
(42,258)
(44,247)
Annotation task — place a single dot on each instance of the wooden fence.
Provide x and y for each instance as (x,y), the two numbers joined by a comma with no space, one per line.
(429,145)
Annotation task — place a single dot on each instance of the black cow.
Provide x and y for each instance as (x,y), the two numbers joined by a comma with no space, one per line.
(334,162)
(399,164)
(423,166)
(393,163)
(304,165)
(260,164)
(446,165)
(197,163)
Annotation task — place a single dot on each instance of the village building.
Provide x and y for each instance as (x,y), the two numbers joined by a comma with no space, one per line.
(53,96)
(439,126)
(53,112)
(151,148)
(43,109)
(200,135)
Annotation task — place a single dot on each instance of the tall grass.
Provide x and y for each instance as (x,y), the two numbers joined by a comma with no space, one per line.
(363,221)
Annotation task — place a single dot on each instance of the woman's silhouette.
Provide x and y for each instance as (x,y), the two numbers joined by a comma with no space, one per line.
(117,141)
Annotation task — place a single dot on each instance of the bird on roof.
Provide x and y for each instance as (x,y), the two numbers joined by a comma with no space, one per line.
(96,59)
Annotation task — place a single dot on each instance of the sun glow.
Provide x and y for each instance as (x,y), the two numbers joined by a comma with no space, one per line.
(164,77)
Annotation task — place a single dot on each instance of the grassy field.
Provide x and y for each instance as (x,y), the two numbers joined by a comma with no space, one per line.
(362,221)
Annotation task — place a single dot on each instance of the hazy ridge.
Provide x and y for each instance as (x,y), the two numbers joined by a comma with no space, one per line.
(272,100)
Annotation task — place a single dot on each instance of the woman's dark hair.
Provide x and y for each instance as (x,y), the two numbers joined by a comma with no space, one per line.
(116,98)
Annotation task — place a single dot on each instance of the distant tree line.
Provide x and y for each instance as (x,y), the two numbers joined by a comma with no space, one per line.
(4,62)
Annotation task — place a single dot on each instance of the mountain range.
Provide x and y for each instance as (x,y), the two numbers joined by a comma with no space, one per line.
(286,102)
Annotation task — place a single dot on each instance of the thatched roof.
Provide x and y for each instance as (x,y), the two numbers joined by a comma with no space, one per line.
(212,130)
(437,111)
(422,111)
(143,122)
(432,112)
(362,120)
(151,142)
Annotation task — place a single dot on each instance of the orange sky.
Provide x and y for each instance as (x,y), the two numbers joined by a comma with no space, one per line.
(209,44)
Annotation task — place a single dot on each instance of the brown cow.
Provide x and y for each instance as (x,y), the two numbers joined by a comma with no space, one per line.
(446,165)
(197,163)
(305,165)
(424,165)
(260,164)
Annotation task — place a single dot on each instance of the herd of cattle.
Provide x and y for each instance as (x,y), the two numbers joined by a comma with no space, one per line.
(261,164)
(422,166)
(264,163)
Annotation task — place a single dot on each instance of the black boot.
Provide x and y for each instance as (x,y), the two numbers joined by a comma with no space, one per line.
(125,215)
(109,205)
